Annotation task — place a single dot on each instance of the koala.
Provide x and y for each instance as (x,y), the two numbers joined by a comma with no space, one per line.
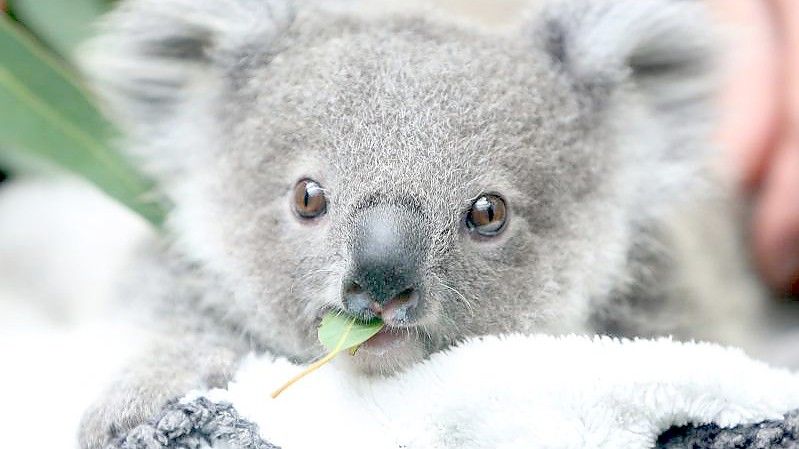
(393,162)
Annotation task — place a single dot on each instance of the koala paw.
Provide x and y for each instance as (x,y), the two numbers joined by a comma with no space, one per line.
(115,416)
(151,383)
(192,425)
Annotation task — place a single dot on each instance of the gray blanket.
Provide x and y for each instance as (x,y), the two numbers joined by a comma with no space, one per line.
(203,423)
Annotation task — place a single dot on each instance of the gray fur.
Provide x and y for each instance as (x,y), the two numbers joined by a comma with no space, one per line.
(591,121)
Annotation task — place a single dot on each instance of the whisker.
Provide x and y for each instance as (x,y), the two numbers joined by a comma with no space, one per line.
(423,331)
(465,301)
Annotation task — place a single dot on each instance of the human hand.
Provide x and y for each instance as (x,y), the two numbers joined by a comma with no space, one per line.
(760,128)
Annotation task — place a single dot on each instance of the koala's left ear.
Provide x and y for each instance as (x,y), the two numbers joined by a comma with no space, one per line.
(664,48)
(151,57)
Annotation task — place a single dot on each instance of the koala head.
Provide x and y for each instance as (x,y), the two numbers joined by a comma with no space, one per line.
(449,180)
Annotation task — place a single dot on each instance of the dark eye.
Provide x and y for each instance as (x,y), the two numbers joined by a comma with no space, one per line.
(309,199)
(487,216)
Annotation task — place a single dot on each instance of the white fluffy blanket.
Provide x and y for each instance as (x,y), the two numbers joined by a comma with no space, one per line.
(517,392)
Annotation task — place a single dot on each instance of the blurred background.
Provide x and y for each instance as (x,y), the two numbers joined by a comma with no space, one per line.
(70,207)
(69,201)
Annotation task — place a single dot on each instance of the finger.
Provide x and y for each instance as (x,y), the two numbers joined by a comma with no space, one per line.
(750,104)
(777,217)
(787,12)
(777,221)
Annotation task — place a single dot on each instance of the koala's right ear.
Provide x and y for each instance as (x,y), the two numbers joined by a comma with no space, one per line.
(665,48)
(151,56)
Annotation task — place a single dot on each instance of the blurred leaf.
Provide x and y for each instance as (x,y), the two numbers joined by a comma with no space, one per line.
(44,112)
(61,24)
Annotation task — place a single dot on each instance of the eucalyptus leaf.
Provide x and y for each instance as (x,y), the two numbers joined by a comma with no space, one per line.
(45,113)
(338,332)
(61,24)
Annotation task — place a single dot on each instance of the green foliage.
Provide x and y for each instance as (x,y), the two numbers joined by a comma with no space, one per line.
(46,115)
(338,332)
(61,24)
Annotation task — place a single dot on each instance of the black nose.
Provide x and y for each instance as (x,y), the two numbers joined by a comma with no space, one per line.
(388,250)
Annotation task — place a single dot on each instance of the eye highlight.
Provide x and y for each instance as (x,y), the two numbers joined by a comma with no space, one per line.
(309,199)
(488,215)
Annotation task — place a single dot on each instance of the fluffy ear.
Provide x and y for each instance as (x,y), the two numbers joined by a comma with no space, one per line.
(151,56)
(663,47)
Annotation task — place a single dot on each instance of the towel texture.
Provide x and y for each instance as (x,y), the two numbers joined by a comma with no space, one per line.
(201,423)
(500,392)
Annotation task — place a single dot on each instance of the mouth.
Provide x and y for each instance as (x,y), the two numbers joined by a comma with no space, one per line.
(391,342)
(398,316)
(389,351)
(387,340)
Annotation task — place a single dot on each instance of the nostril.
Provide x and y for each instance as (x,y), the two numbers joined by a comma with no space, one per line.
(405,295)
(401,309)
(352,288)
(358,302)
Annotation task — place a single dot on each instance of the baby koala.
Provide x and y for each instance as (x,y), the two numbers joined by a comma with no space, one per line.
(392,162)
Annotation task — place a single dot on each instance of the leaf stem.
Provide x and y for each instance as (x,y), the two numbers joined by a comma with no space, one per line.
(319,363)
(313,367)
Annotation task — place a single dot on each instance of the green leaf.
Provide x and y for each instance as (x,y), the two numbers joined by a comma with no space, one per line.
(61,24)
(338,332)
(44,112)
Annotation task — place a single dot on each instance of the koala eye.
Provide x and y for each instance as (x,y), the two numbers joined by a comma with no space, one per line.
(487,216)
(309,199)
